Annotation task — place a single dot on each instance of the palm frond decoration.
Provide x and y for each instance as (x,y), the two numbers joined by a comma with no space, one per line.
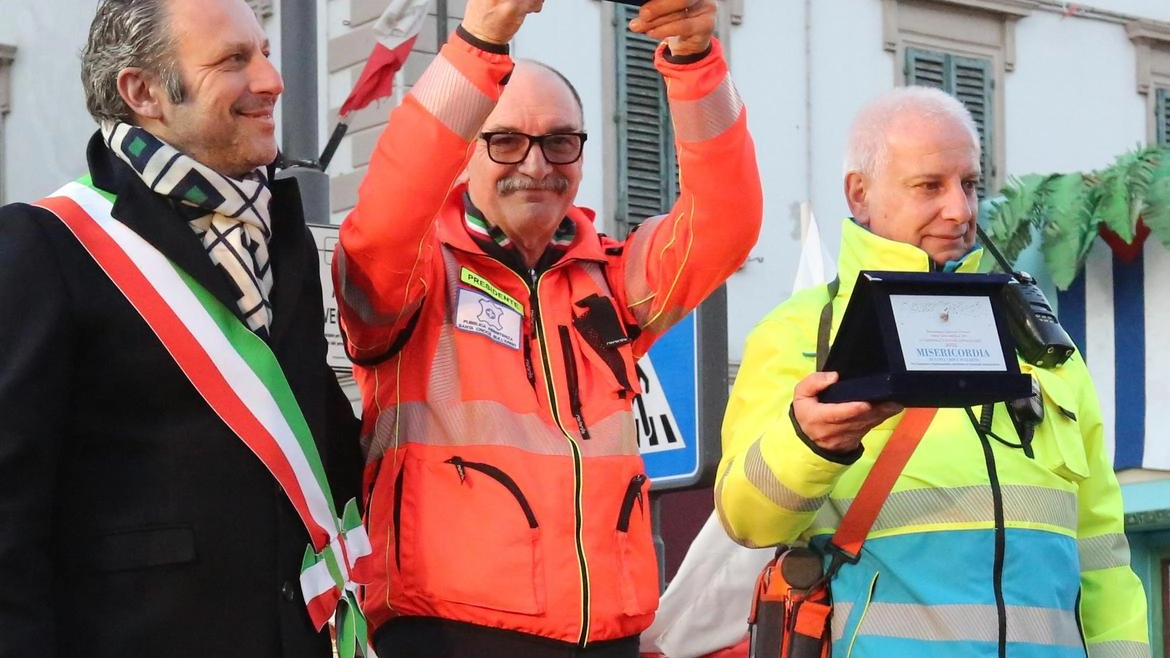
(1066,225)
(1156,208)
(1069,210)
(1010,216)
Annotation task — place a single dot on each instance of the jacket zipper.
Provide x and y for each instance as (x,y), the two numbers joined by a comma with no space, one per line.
(633,494)
(462,466)
(1000,539)
(578,512)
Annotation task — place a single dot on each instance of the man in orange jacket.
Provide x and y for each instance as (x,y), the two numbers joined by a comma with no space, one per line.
(496,333)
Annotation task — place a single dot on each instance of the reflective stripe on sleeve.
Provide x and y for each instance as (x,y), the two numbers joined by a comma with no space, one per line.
(1103,552)
(453,99)
(709,116)
(762,478)
(1120,649)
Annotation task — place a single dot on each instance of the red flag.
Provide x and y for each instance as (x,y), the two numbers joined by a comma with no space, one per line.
(396,29)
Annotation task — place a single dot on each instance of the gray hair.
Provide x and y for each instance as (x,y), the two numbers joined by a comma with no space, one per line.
(124,34)
(866,151)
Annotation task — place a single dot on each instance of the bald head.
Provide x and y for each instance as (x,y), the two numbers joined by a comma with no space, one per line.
(526,63)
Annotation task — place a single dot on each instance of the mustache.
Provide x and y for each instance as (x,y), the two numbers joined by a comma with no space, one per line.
(553,183)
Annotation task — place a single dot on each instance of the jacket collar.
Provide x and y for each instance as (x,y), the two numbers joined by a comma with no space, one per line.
(863,250)
(162,222)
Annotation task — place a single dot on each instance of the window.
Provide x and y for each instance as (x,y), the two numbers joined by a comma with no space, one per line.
(964,47)
(1152,55)
(1162,117)
(646,162)
(7,54)
(968,79)
(647,165)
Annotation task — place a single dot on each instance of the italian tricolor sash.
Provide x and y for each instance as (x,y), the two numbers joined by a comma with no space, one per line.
(236,372)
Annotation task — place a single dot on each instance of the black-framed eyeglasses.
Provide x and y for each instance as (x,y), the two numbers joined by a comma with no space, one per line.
(509,148)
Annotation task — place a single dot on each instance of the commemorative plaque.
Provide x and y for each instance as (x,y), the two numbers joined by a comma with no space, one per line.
(925,340)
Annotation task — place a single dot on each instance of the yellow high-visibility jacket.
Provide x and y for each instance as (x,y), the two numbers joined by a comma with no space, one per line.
(979,549)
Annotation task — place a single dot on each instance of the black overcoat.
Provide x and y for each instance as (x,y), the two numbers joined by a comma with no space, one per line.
(132,521)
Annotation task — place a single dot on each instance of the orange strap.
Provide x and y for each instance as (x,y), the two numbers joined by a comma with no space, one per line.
(868,502)
(812,618)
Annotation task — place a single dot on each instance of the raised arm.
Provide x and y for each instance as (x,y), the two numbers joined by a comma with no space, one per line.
(384,262)
(674,261)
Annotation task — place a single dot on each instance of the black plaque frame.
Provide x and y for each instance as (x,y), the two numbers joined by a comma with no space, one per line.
(867,351)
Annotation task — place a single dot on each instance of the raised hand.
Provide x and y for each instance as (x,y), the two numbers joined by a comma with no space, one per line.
(497,21)
(686,25)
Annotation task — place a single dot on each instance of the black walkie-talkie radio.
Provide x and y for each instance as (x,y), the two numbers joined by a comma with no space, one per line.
(1040,340)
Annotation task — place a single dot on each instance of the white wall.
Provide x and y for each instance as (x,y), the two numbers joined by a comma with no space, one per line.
(1072,101)
(46,131)
(1153,9)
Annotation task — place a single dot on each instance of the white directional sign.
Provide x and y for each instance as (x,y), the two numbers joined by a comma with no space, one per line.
(326,239)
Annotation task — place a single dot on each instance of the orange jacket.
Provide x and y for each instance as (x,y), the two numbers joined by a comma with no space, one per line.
(505,486)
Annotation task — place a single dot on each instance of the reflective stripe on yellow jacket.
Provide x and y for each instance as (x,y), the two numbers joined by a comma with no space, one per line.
(507,490)
(978,546)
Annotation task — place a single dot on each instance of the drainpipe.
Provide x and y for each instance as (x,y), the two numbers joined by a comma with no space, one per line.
(299,144)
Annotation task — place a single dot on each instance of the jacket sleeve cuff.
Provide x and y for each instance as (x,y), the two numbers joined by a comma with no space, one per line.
(497,48)
(682,60)
(692,76)
(835,456)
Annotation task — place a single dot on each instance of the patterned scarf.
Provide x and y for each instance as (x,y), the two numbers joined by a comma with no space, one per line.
(236,228)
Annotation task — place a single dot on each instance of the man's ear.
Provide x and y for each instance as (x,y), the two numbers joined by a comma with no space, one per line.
(856,191)
(139,90)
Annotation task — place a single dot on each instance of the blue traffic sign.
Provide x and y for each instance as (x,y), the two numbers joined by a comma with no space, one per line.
(666,412)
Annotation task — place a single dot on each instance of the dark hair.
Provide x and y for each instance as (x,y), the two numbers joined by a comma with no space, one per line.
(124,34)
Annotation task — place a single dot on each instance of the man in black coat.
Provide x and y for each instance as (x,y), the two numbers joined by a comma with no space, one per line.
(133,520)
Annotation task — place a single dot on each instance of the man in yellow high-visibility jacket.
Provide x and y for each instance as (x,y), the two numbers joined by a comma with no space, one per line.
(982,548)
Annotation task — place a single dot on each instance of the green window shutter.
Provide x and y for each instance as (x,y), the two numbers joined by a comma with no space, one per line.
(1162,113)
(970,80)
(647,163)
